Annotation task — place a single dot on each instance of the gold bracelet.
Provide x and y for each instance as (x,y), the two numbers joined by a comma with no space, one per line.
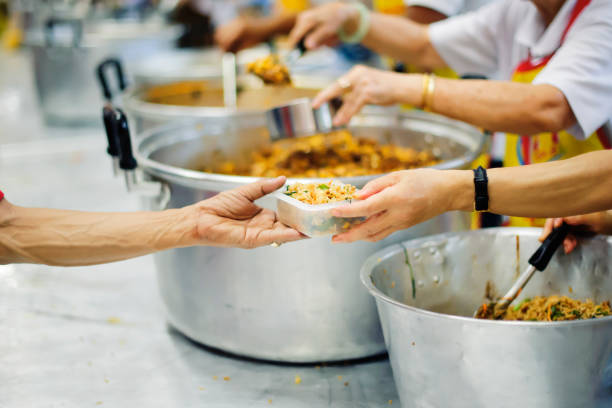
(429,94)
(426,81)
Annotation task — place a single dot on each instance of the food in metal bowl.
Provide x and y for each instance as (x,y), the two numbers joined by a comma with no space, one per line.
(549,309)
(337,154)
(271,70)
(323,193)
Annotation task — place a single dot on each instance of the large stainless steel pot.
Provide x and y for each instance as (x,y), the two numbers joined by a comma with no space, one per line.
(66,54)
(301,302)
(442,358)
(253,101)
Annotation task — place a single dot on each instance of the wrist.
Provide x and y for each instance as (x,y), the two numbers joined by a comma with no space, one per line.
(409,90)
(184,230)
(351,19)
(459,187)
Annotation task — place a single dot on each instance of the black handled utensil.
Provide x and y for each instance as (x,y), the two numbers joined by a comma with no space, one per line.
(101,71)
(538,261)
(109,116)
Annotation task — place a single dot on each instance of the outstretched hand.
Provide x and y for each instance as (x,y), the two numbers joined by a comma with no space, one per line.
(232,219)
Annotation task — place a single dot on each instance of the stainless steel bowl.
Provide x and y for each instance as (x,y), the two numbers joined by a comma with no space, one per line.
(443,358)
(301,302)
(64,65)
(298,118)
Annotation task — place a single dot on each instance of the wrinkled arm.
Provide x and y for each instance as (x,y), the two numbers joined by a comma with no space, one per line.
(68,238)
(60,237)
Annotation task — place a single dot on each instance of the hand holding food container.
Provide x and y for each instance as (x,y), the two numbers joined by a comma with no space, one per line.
(308,207)
(405,198)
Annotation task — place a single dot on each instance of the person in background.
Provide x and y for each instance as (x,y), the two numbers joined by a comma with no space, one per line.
(554,58)
(563,188)
(247,31)
(70,238)
(431,11)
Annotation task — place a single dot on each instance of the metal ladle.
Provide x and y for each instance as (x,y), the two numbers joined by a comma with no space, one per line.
(298,118)
(538,261)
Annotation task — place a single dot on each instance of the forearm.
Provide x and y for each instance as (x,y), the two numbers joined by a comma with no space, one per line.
(275,24)
(502,106)
(424,15)
(579,185)
(69,238)
(402,39)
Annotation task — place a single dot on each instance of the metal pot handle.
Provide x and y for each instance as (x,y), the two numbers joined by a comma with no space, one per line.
(104,83)
(75,25)
(120,143)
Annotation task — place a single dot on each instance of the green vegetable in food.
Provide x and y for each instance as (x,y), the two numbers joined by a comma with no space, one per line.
(323,187)
(555,313)
(520,305)
(290,193)
(412,280)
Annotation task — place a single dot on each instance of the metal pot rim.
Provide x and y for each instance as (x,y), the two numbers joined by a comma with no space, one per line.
(365,275)
(153,139)
(134,103)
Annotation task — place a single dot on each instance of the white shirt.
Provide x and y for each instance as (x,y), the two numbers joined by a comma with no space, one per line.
(496,38)
(449,7)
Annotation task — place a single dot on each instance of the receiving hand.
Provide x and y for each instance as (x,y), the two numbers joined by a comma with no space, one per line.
(595,223)
(319,26)
(232,219)
(396,201)
(361,86)
(238,34)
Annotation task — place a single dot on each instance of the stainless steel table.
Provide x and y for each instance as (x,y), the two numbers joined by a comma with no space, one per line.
(96,336)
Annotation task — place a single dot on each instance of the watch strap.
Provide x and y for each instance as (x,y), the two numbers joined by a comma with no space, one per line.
(481,190)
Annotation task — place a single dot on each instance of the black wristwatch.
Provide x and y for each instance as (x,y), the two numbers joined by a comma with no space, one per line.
(481,190)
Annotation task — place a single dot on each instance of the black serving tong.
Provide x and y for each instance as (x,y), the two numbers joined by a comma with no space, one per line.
(110,116)
(538,261)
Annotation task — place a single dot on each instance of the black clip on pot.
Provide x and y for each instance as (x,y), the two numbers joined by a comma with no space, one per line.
(103,79)
(109,114)
(134,180)
(127,162)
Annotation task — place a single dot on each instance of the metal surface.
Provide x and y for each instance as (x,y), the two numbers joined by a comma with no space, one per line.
(97,336)
(440,358)
(298,118)
(230,87)
(63,71)
(252,102)
(300,302)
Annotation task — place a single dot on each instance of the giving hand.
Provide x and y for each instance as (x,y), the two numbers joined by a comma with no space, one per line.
(232,219)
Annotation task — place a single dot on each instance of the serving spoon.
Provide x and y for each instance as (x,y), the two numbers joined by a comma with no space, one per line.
(538,261)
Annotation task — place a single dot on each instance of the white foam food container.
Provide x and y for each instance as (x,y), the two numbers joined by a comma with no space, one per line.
(311,219)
